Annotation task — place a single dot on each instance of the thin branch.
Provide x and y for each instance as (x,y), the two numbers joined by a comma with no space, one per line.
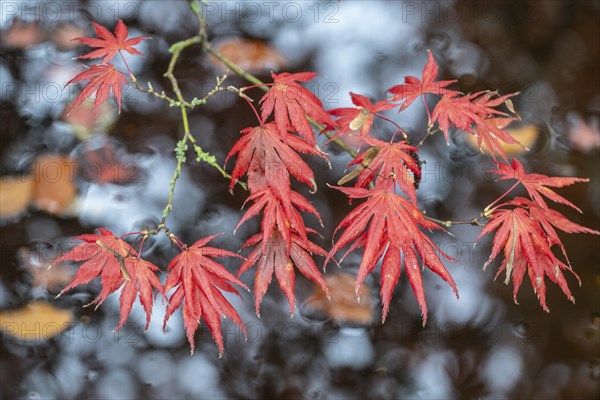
(428,134)
(176,50)
(150,90)
(202,24)
(448,223)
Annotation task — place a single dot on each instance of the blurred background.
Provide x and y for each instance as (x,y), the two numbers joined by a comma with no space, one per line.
(64,175)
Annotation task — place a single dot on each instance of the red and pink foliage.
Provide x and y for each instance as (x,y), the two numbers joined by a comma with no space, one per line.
(387,225)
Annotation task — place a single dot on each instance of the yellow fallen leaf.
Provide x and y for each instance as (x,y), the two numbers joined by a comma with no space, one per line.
(22,35)
(343,306)
(15,194)
(37,265)
(35,321)
(54,183)
(253,55)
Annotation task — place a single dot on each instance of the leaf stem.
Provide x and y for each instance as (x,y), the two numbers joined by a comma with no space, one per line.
(393,123)
(249,101)
(126,65)
(487,211)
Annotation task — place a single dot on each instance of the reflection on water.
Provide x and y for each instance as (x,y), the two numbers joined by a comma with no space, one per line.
(479,346)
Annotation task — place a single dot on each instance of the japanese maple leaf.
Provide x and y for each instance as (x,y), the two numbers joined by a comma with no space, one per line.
(198,280)
(359,119)
(108,45)
(391,161)
(274,257)
(292,104)
(389,223)
(537,185)
(549,221)
(279,214)
(142,279)
(102,79)
(116,262)
(476,114)
(275,154)
(102,254)
(464,111)
(527,248)
(490,132)
(414,87)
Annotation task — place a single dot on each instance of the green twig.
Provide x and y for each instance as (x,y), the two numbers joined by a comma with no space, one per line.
(175,51)
(150,90)
(202,24)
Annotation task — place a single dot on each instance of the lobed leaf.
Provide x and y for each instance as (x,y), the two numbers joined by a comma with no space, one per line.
(198,281)
(108,45)
(292,103)
(387,225)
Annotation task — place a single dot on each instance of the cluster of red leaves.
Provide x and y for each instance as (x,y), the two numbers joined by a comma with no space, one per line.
(387,226)
(198,280)
(526,230)
(104,77)
(268,155)
(475,113)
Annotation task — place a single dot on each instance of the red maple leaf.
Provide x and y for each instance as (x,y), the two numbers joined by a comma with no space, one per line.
(360,118)
(199,281)
(103,78)
(463,111)
(477,114)
(141,280)
(108,45)
(292,104)
(537,184)
(389,223)
(279,214)
(414,87)
(115,261)
(273,155)
(550,220)
(392,161)
(277,257)
(491,131)
(527,242)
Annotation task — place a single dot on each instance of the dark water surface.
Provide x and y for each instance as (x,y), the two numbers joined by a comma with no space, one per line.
(482,346)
